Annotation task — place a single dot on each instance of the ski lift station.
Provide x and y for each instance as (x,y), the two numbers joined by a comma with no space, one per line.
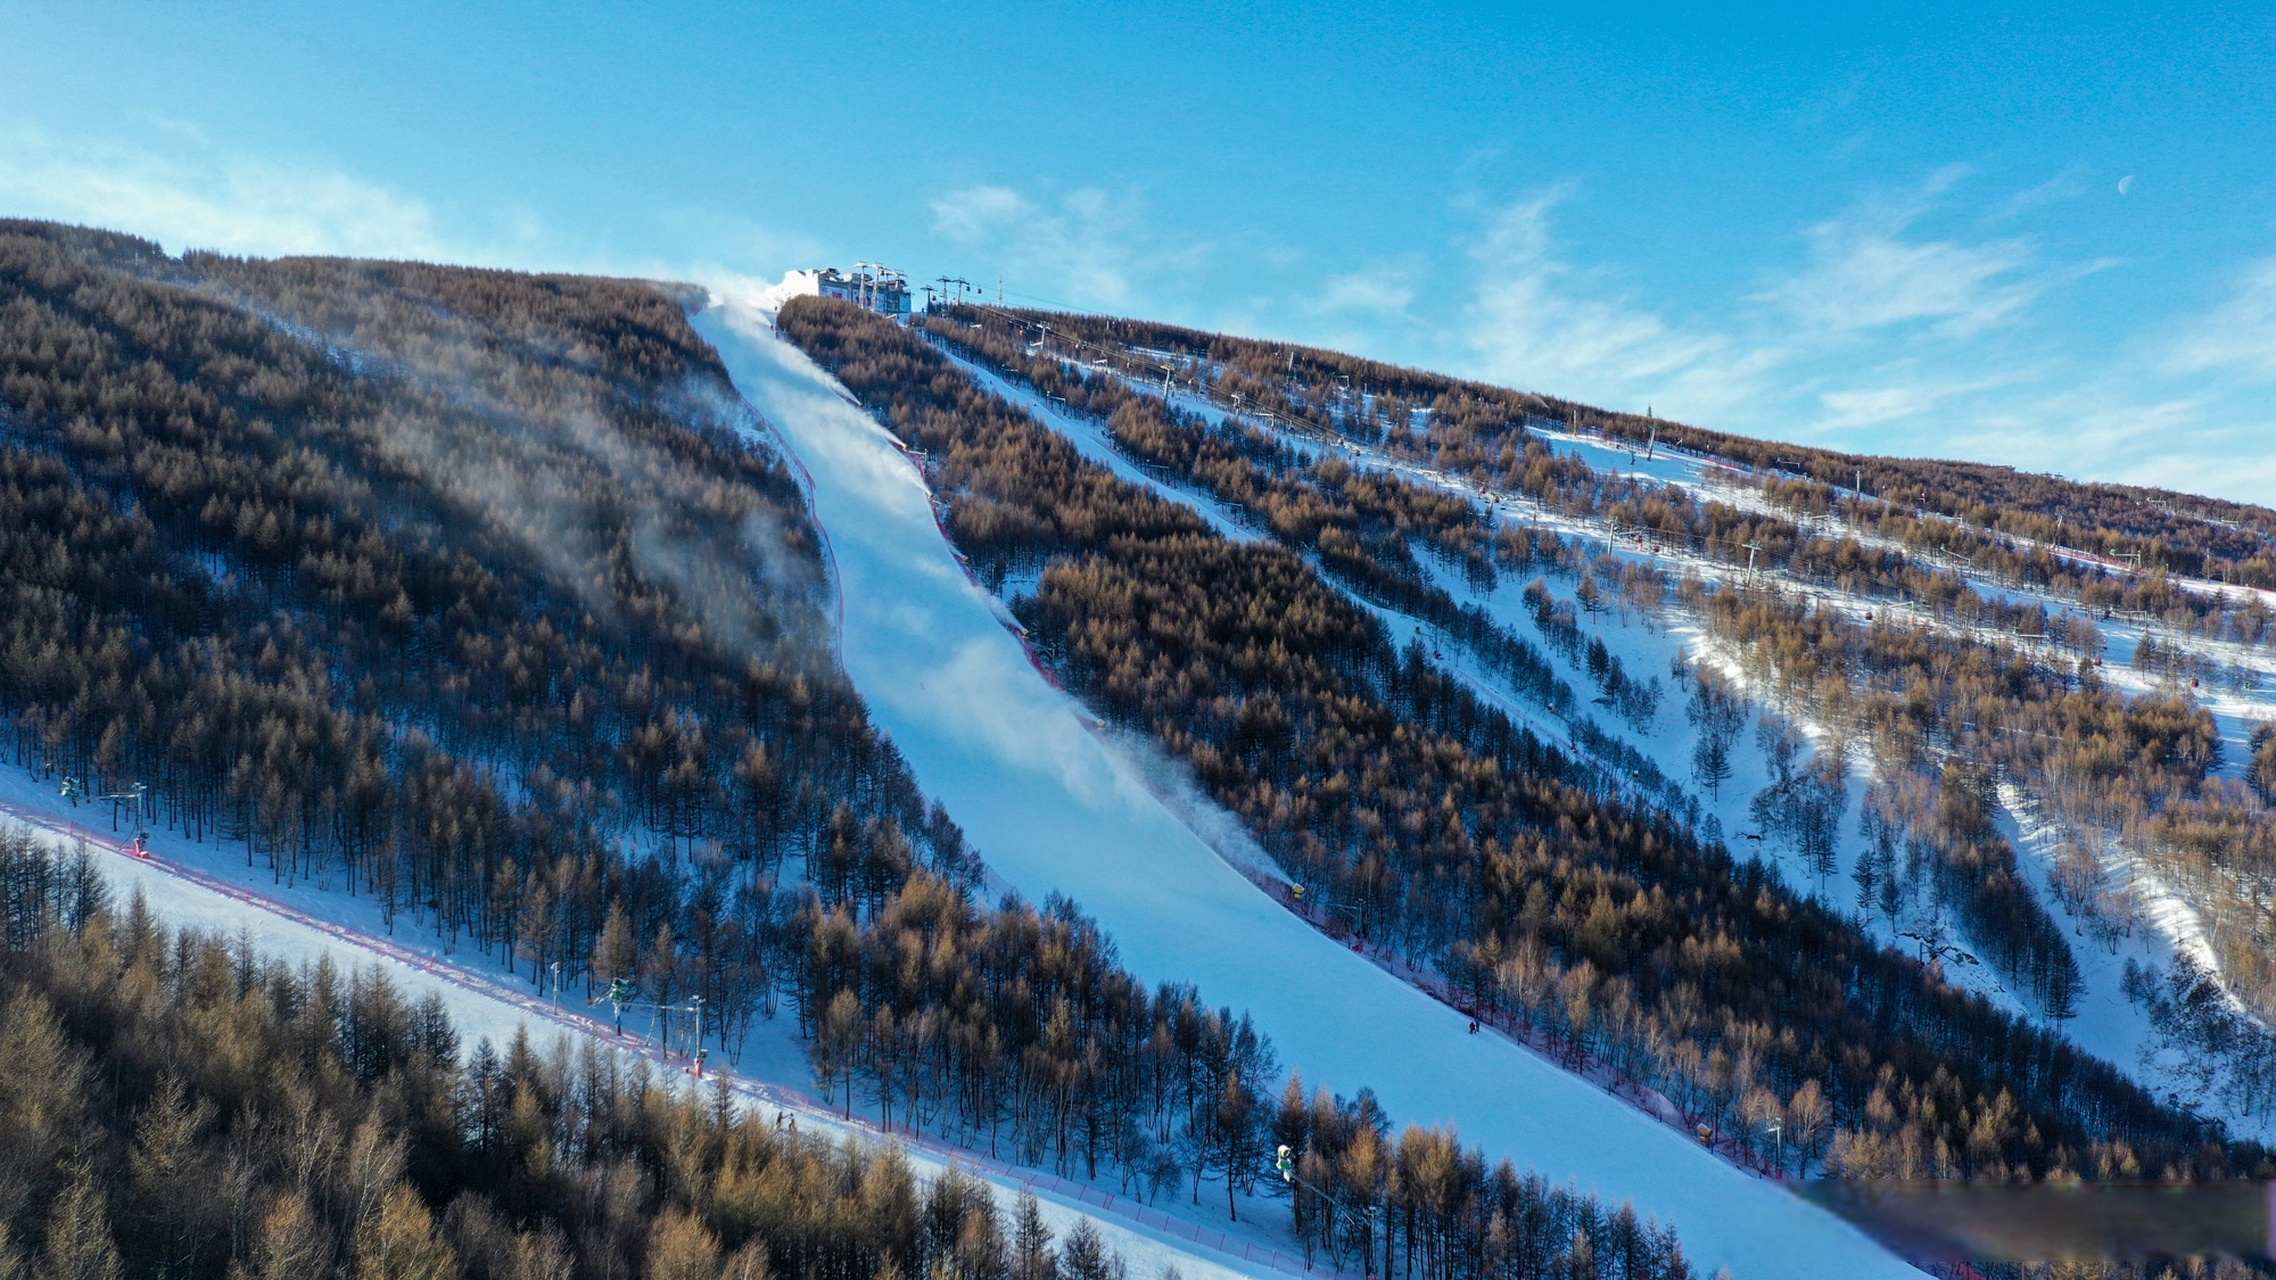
(877,287)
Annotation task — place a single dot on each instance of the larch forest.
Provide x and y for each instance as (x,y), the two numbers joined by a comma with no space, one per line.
(482,598)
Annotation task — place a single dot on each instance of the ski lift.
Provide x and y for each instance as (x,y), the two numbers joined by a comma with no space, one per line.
(142,845)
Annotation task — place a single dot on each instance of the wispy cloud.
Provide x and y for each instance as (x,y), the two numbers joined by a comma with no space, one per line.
(2239,334)
(1856,407)
(1867,271)
(1858,345)
(1535,321)
(1087,246)
(196,196)
(1386,292)
(2067,185)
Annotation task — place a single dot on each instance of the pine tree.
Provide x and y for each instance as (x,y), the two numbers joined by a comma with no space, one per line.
(1032,1257)
(837,1042)
(162,1171)
(680,1248)
(291,1245)
(400,1242)
(79,1241)
(613,951)
(1086,1257)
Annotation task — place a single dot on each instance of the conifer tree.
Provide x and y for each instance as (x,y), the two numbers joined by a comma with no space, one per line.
(400,1242)
(80,1245)
(1086,1257)
(290,1244)
(680,1248)
(1031,1255)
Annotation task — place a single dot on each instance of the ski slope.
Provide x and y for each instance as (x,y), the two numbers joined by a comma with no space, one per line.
(1053,806)
(206,888)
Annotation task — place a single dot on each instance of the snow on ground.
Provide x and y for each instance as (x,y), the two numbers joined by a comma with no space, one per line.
(1646,647)
(1053,807)
(2106,1023)
(208,886)
(1090,438)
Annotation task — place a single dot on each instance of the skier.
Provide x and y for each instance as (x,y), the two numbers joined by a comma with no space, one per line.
(71,791)
(142,845)
(1473,1026)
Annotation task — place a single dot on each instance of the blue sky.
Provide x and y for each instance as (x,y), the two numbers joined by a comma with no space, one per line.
(2040,235)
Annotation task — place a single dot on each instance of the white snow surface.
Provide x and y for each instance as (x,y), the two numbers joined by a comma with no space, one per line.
(1053,805)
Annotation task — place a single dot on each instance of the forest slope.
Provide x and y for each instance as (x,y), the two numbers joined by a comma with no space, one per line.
(1063,811)
(1464,835)
(472,592)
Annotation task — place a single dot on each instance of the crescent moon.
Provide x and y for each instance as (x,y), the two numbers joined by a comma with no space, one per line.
(2125,184)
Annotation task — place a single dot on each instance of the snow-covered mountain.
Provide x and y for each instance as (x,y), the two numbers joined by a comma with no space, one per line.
(1287,812)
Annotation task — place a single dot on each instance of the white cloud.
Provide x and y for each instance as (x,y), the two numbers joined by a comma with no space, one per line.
(2238,334)
(196,197)
(1086,246)
(1871,406)
(1532,324)
(1866,272)
(1388,291)
(2067,185)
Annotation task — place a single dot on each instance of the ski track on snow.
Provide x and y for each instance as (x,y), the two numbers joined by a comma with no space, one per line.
(1052,808)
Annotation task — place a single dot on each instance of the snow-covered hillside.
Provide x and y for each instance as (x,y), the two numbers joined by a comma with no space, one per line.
(1646,643)
(210,887)
(1054,806)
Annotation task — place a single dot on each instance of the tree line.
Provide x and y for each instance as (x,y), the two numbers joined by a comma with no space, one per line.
(1931,828)
(180,1105)
(496,616)
(1381,784)
(1468,424)
(472,592)
(1360,524)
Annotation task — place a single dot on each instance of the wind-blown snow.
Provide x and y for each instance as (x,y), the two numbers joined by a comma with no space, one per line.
(1053,807)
